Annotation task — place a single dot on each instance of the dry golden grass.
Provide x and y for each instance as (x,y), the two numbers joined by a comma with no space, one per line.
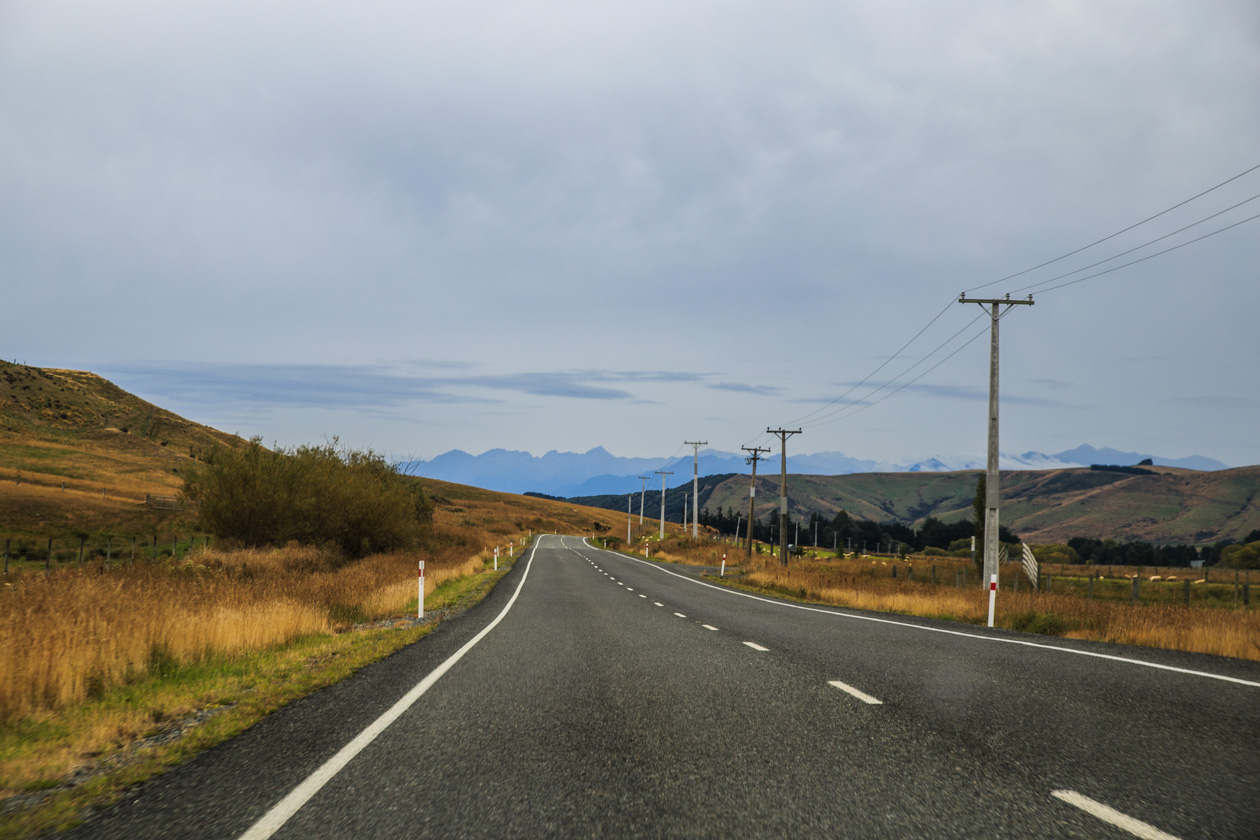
(75,634)
(867,583)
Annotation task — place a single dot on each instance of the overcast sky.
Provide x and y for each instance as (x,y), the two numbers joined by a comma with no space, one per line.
(548,225)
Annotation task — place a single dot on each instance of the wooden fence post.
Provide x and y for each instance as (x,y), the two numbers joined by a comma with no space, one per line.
(109,552)
(6,556)
(1186,591)
(1090,594)
(81,541)
(48,561)
(1137,585)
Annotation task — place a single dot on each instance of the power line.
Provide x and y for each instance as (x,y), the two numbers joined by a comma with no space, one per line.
(1143,245)
(956,351)
(1117,233)
(824,418)
(848,410)
(1150,256)
(878,369)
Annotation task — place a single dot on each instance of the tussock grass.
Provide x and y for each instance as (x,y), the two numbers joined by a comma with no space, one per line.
(866,583)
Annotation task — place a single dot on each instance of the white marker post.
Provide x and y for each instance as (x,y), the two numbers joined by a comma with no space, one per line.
(992,596)
(723,572)
(511,549)
(420,609)
(496,558)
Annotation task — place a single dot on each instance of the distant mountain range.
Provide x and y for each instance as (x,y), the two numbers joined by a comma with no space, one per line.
(599,472)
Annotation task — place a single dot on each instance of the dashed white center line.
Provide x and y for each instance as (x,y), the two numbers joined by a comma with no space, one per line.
(861,695)
(1110,815)
(708,626)
(680,615)
(658,603)
(642,596)
(629,588)
(756,646)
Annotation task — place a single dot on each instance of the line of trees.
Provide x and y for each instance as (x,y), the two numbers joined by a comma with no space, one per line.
(843,531)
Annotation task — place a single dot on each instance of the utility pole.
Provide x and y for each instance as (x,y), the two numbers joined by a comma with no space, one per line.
(992,491)
(695,487)
(783,507)
(662,474)
(642,493)
(753,458)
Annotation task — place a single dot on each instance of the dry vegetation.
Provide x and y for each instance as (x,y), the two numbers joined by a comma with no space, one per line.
(79,632)
(96,664)
(1216,625)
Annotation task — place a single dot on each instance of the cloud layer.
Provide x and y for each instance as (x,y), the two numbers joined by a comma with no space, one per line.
(635,224)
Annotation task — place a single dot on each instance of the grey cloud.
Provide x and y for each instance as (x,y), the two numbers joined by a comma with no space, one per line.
(364,386)
(740,387)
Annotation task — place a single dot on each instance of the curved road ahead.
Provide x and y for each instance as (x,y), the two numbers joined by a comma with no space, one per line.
(601,695)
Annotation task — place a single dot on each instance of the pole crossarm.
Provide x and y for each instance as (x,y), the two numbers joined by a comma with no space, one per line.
(1006,301)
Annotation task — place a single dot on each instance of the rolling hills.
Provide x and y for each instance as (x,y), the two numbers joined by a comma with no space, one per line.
(1165,505)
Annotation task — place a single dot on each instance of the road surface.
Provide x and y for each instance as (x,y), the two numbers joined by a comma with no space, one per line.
(594,694)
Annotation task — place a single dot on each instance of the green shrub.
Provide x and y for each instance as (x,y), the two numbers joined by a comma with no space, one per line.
(1047,624)
(312,495)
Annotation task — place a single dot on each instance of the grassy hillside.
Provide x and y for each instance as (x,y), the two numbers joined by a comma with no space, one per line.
(1168,506)
(79,454)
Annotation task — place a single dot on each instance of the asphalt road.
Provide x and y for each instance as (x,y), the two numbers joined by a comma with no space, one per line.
(601,695)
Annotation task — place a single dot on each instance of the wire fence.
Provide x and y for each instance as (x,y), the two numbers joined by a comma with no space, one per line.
(72,486)
(105,552)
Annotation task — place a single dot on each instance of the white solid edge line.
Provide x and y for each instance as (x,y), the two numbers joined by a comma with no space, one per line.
(836,612)
(756,646)
(1110,815)
(861,695)
(280,813)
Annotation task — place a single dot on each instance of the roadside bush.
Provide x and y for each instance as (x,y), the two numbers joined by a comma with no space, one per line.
(312,495)
(1053,553)
(1241,556)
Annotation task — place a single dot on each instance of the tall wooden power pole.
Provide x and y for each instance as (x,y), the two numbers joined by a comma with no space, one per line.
(992,490)
(642,494)
(753,458)
(783,507)
(695,488)
(662,474)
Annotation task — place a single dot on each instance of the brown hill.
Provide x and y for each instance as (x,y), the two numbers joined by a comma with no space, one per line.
(1169,505)
(78,453)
